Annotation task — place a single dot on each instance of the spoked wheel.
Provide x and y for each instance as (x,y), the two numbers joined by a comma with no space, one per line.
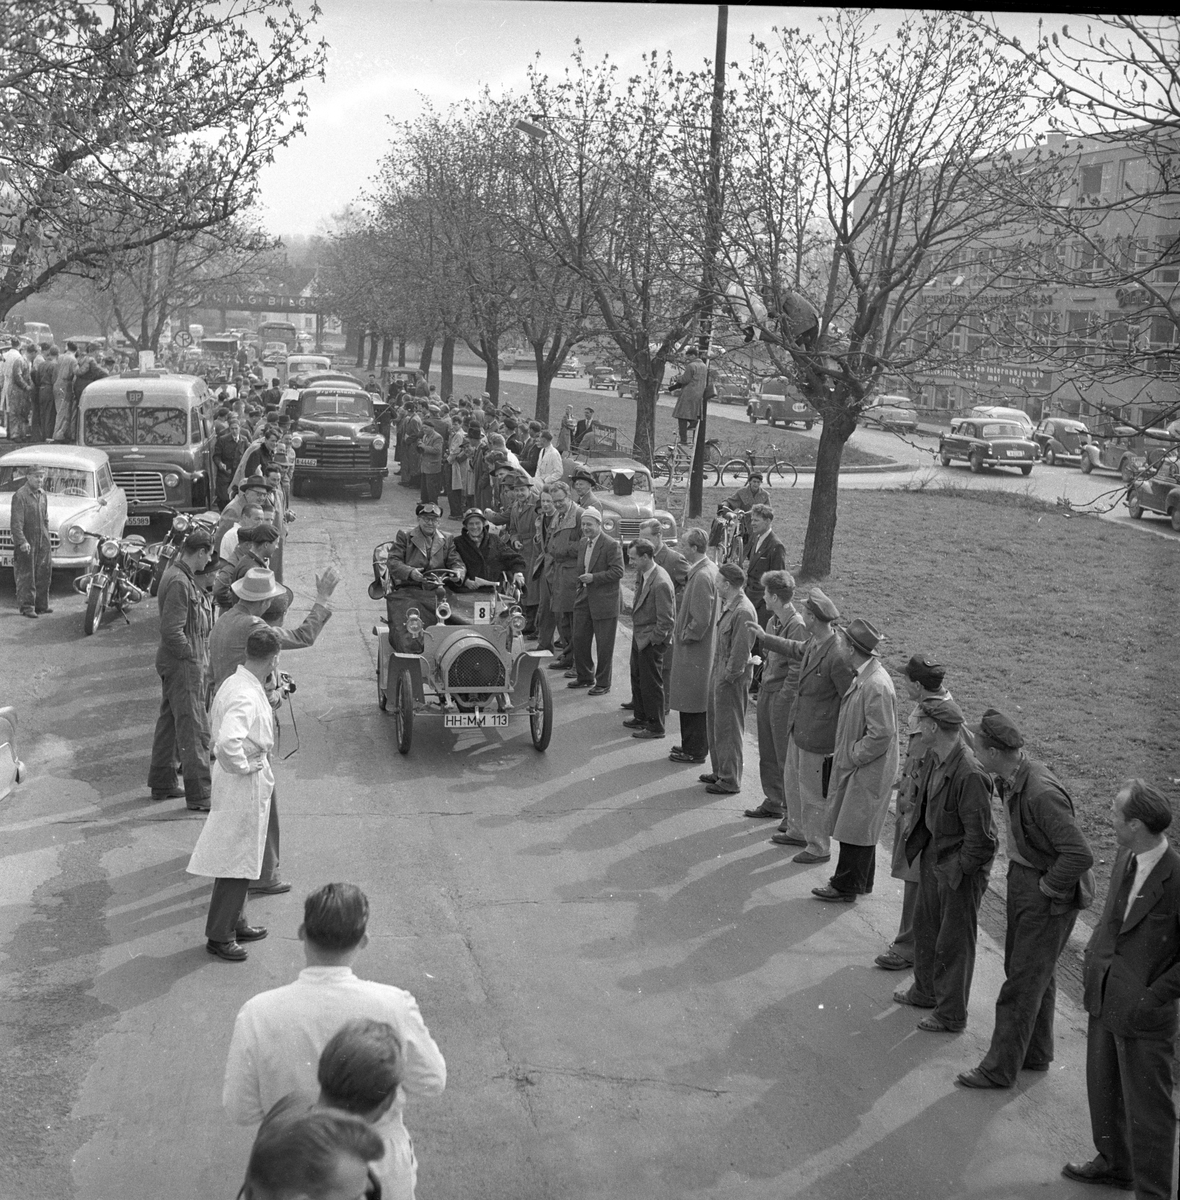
(783,473)
(733,473)
(541,710)
(98,595)
(403,710)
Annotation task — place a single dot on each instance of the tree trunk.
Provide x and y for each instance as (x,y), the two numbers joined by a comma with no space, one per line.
(401,352)
(545,374)
(373,350)
(646,393)
(446,366)
(360,346)
(426,355)
(821,520)
(386,351)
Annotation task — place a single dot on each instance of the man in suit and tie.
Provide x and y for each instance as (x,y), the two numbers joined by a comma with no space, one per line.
(767,553)
(596,605)
(653,615)
(692,662)
(1132,982)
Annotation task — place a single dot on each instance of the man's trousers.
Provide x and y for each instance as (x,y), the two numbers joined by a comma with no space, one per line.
(227,909)
(774,713)
(182,732)
(726,723)
(804,794)
(599,632)
(33,573)
(647,685)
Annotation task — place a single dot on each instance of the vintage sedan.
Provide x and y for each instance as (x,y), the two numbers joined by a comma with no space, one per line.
(1061,439)
(604,378)
(622,489)
(1158,490)
(1113,448)
(81,498)
(891,413)
(570,368)
(984,443)
(336,439)
(12,770)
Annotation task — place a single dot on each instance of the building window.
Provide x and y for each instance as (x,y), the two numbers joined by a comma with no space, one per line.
(1168,270)
(1091,180)
(1133,177)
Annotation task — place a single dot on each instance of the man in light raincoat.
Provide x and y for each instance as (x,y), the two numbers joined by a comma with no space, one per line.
(230,848)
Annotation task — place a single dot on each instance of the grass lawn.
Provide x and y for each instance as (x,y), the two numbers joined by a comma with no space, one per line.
(611,409)
(1066,624)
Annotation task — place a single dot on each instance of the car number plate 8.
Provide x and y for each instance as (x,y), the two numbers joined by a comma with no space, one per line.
(140,520)
(305,462)
(475,720)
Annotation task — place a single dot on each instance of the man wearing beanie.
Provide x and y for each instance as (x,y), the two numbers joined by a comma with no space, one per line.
(955,834)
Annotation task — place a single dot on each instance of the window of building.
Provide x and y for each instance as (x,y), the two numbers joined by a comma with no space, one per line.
(1092,179)
(1168,250)
(1133,177)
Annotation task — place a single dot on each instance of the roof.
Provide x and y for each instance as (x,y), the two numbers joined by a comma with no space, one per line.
(611,463)
(52,454)
(158,383)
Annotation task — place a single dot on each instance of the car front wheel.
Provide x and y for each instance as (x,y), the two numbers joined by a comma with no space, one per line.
(1174,515)
(403,711)
(540,710)
(976,462)
(1134,507)
(1086,464)
(944,458)
(1050,457)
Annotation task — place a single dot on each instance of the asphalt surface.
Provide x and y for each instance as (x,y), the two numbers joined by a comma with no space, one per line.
(636,994)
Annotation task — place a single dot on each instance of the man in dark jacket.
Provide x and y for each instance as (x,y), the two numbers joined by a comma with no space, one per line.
(596,605)
(182,730)
(767,553)
(486,555)
(227,453)
(653,615)
(1047,856)
(32,559)
(1132,982)
(955,834)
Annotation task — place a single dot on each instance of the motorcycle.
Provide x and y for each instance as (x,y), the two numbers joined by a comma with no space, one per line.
(118,579)
(160,554)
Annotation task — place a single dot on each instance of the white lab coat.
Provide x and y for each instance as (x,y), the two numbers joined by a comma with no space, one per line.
(241,731)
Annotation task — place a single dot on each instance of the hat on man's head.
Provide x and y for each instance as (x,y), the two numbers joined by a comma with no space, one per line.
(255,481)
(592,512)
(1001,730)
(754,475)
(427,509)
(863,636)
(820,606)
(474,512)
(198,539)
(584,475)
(925,671)
(943,710)
(732,573)
(257,584)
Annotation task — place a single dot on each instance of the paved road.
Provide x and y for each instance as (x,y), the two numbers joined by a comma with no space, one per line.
(635,993)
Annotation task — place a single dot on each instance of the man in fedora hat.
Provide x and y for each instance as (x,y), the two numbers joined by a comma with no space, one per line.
(864,765)
(256,592)
(824,676)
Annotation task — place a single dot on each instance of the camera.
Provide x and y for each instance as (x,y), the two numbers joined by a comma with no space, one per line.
(286,685)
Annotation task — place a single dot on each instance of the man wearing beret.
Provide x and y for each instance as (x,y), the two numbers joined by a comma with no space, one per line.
(824,676)
(955,834)
(1047,857)
(1131,984)
(729,686)
(864,766)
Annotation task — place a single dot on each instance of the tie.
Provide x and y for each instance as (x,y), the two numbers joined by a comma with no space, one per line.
(1119,909)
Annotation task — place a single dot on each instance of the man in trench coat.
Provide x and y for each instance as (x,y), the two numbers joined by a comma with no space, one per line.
(691,386)
(692,662)
(232,841)
(864,766)
(562,549)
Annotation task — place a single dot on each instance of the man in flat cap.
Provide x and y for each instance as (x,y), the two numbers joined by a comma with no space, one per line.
(729,685)
(955,834)
(1047,857)
(864,766)
(922,680)
(824,676)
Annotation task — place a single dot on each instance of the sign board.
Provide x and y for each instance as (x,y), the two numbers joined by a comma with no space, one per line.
(483,612)
(266,302)
(183,338)
(147,360)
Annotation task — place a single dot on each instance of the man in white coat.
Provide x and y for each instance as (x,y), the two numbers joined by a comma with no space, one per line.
(231,845)
(864,767)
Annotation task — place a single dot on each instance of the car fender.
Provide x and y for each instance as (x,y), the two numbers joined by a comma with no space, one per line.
(525,664)
(1090,452)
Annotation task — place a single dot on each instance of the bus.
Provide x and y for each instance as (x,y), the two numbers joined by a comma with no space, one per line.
(278,331)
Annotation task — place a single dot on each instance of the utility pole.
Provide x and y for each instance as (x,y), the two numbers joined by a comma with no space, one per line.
(712,247)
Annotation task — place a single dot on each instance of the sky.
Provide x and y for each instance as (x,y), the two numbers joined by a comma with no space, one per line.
(385,55)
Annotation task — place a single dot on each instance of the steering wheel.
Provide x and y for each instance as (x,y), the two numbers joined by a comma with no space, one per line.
(439,577)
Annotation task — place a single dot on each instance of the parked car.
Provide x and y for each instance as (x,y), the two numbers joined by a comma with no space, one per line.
(1061,439)
(622,489)
(157,429)
(336,439)
(603,378)
(295,365)
(988,444)
(780,400)
(1113,448)
(507,360)
(571,368)
(1159,491)
(12,770)
(891,412)
(80,495)
(1016,416)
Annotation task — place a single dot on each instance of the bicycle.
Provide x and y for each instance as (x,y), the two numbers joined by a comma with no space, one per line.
(672,466)
(726,543)
(774,469)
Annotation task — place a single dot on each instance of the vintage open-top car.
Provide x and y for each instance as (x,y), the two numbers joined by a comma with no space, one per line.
(456,654)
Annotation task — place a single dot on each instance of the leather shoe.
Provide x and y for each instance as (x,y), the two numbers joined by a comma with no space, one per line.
(598,691)
(571,674)
(1035,1067)
(763,811)
(784,839)
(977,1079)
(250,933)
(172,793)
(28,612)
(806,857)
(716,790)
(628,705)
(648,733)
(709,778)
(560,664)
(892,962)
(827,892)
(633,723)
(678,756)
(275,888)
(198,807)
(1096,1171)
(41,612)
(577,683)
(230,951)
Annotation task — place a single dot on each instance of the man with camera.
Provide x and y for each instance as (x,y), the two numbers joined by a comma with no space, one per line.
(260,599)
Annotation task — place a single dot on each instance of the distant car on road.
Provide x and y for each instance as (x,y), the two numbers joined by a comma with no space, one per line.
(603,378)
(1016,416)
(1061,439)
(507,360)
(891,413)
(1158,492)
(12,770)
(988,444)
(779,400)
(81,496)
(1113,448)
(571,368)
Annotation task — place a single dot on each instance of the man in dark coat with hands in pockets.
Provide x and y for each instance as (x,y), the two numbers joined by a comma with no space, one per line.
(653,614)
(1132,982)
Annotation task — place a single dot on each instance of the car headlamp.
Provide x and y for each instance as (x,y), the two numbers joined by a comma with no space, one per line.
(172,480)
(517,620)
(666,523)
(414,625)
(378,443)
(75,535)
(296,441)
(109,549)
(381,555)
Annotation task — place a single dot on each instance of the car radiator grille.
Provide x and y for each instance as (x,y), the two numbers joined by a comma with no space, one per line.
(477,667)
(142,487)
(629,529)
(342,457)
(6,542)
